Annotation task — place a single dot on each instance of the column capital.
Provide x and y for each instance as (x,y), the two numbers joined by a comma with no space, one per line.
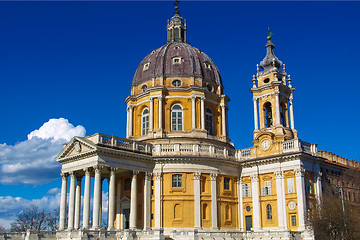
(318,176)
(299,172)
(112,171)
(213,176)
(279,174)
(254,178)
(160,98)
(202,98)
(238,180)
(291,98)
(130,107)
(197,175)
(135,173)
(87,171)
(193,97)
(64,175)
(97,168)
(147,176)
(157,175)
(277,91)
(255,99)
(73,174)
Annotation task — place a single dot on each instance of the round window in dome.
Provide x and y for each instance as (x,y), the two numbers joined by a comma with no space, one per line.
(144,88)
(209,87)
(176,83)
(266,80)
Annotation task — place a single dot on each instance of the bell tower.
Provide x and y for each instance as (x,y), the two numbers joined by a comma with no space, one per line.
(273,105)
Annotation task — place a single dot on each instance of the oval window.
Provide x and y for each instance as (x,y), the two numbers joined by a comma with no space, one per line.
(266,80)
(144,88)
(176,83)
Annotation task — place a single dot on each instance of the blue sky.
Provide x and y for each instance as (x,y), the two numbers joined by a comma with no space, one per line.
(74,62)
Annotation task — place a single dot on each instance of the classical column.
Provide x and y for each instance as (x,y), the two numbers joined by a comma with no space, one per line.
(301,198)
(127,121)
(280,195)
(318,186)
(157,209)
(202,113)
(118,204)
(111,209)
(160,112)
(291,112)
(151,116)
(97,198)
(130,107)
(223,119)
(277,106)
(255,201)
(133,201)
(256,120)
(214,216)
(101,203)
(240,206)
(147,201)
(62,219)
(197,199)
(86,210)
(193,112)
(77,203)
(71,201)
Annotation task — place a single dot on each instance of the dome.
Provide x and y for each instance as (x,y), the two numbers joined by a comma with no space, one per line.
(177,59)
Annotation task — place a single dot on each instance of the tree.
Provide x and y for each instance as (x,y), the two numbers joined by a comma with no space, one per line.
(31,218)
(52,219)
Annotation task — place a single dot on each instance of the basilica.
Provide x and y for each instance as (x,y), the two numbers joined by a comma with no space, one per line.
(176,175)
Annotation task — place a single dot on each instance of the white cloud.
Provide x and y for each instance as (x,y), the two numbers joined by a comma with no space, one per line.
(54,191)
(56,129)
(33,161)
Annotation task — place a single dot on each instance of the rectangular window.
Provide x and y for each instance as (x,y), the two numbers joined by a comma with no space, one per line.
(293,220)
(177,180)
(226,183)
(308,186)
(127,185)
(291,186)
(267,189)
(246,191)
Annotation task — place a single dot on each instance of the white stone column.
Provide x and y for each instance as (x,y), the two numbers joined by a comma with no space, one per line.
(214,215)
(130,130)
(118,204)
(255,201)
(193,112)
(160,112)
(71,201)
(63,201)
(256,120)
(127,121)
(157,209)
(87,189)
(197,199)
(111,209)
(151,115)
(147,201)
(202,113)
(97,198)
(101,202)
(301,198)
(77,203)
(277,107)
(133,201)
(280,196)
(318,186)
(291,112)
(223,119)
(240,206)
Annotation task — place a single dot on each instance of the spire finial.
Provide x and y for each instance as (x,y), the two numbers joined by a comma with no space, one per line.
(176,7)
(270,34)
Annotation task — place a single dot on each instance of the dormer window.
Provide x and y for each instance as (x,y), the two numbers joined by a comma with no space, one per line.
(207,65)
(144,88)
(177,60)
(176,47)
(146,66)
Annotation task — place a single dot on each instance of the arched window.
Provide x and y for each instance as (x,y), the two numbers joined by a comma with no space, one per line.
(268,212)
(176,118)
(268,114)
(209,121)
(177,180)
(145,122)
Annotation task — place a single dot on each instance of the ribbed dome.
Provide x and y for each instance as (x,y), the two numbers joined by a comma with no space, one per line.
(177,59)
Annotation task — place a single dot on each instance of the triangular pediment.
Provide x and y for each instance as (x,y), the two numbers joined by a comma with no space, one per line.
(76,146)
(124,199)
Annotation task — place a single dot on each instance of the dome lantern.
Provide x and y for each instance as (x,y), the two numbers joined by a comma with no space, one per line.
(176,28)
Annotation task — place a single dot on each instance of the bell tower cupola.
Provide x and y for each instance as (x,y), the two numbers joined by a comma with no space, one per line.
(273,104)
(176,28)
